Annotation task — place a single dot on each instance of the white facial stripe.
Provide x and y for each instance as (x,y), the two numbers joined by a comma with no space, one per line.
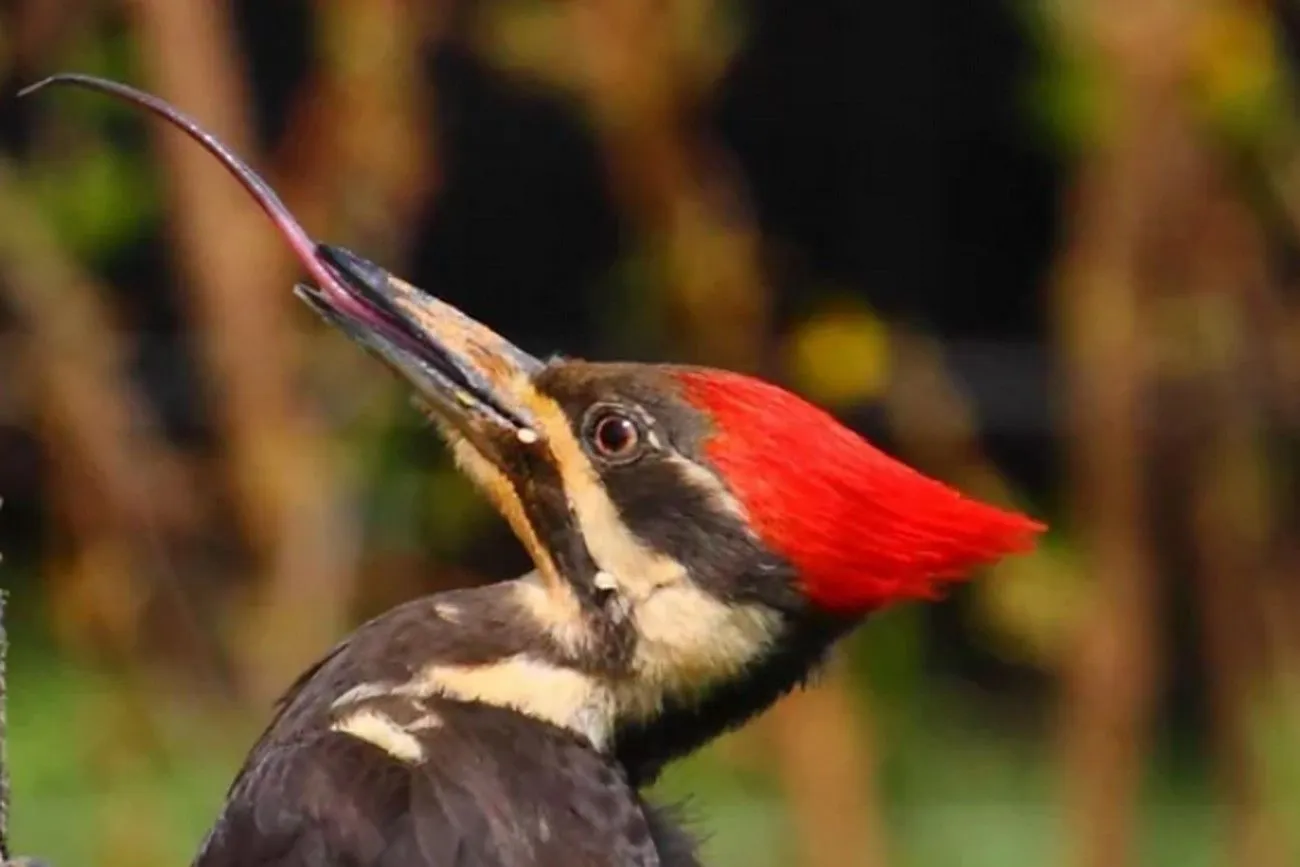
(688,639)
(721,498)
(638,570)
(380,729)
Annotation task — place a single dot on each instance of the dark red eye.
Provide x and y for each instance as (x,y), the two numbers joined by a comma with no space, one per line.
(615,436)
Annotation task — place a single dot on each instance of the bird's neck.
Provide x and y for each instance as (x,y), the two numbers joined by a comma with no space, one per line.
(690,673)
(687,721)
(679,666)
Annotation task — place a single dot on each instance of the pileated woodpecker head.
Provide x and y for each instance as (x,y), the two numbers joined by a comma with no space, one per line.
(700,537)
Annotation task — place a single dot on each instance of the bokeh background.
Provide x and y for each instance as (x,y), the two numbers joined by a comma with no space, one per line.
(1046,251)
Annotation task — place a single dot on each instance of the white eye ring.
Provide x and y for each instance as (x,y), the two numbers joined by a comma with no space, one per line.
(615,436)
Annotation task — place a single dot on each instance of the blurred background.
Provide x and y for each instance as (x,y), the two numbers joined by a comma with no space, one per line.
(1046,251)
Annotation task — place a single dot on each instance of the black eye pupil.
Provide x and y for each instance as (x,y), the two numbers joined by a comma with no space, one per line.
(616,435)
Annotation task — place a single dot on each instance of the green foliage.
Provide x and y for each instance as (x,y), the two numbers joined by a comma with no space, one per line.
(412,495)
(959,789)
(1238,79)
(888,656)
(97,193)
(64,795)
(98,199)
(1065,96)
(630,312)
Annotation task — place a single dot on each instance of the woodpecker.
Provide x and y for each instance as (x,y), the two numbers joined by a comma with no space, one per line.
(700,538)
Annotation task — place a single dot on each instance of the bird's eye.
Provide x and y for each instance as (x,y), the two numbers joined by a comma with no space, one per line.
(615,436)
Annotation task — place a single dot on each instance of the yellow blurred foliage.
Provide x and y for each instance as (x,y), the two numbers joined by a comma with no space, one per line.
(1235,68)
(125,839)
(840,354)
(574,48)
(1031,606)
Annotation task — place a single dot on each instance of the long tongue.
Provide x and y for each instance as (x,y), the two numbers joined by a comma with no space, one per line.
(303,246)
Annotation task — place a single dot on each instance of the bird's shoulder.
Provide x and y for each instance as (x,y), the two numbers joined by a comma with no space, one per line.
(360,767)
(435,783)
(469,627)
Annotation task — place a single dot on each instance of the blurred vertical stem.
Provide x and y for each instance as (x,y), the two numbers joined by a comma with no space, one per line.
(825,749)
(4,733)
(1155,225)
(1217,359)
(118,483)
(239,274)
(642,67)
(1233,332)
(1274,329)
(1110,677)
(1102,328)
(1230,529)
(376,102)
(358,156)
(1238,341)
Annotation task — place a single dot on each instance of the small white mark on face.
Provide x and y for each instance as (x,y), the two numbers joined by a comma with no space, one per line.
(527,435)
(383,731)
(604,581)
(448,611)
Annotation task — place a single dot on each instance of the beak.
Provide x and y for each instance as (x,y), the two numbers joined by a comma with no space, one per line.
(473,379)
(470,376)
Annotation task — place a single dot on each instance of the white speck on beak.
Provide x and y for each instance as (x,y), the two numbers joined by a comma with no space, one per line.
(604,581)
(527,436)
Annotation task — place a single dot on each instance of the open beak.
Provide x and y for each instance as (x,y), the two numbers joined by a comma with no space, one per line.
(471,377)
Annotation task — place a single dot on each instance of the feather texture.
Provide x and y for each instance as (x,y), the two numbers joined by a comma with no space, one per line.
(862,528)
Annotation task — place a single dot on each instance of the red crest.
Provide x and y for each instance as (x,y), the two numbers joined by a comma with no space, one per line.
(862,528)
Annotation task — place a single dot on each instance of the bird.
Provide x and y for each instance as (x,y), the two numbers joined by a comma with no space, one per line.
(701,539)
